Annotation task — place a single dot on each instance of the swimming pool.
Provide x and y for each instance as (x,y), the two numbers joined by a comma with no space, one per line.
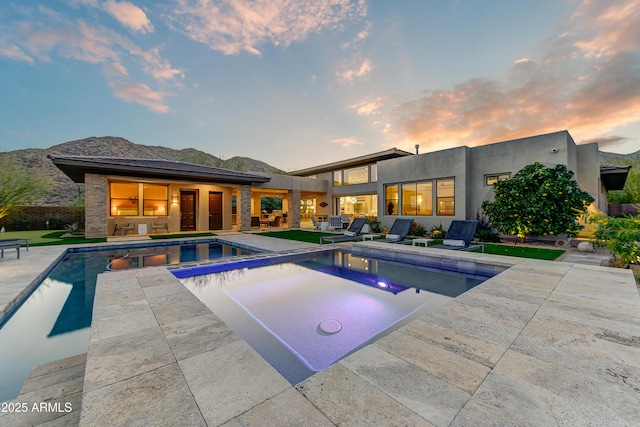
(304,314)
(54,321)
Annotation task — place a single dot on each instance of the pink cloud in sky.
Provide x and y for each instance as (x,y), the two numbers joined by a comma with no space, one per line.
(232,26)
(355,72)
(13,52)
(56,36)
(585,80)
(129,15)
(346,142)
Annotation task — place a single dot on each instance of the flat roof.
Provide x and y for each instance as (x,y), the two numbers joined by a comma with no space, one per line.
(75,168)
(353,162)
(614,176)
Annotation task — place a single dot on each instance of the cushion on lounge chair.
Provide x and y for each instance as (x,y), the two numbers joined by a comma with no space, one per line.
(350,233)
(392,237)
(454,242)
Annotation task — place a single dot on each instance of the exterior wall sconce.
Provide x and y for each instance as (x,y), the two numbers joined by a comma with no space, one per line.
(174,200)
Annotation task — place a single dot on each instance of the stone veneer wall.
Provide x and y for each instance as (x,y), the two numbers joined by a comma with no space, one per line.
(244,202)
(294,208)
(95,217)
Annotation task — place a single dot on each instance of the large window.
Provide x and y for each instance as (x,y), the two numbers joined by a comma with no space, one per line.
(445,197)
(417,198)
(356,175)
(391,199)
(155,199)
(124,199)
(337,178)
(359,175)
(358,205)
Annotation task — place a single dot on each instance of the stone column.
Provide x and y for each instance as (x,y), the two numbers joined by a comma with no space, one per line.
(96,209)
(294,208)
(243,204)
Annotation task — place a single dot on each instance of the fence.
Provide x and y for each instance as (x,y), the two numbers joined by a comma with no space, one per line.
(43,218)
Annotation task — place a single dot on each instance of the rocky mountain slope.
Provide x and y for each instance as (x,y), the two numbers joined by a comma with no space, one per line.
(65,191)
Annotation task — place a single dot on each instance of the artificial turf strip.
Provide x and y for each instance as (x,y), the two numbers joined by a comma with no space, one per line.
(179,236)
(523,251)
(299,235)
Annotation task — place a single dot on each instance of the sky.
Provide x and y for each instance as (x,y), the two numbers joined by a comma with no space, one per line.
(299,83)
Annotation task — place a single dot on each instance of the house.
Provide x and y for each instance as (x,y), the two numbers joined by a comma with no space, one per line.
(433,187)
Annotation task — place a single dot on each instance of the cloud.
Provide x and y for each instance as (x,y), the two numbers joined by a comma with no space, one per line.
(129,15)
(356,72)
(14,52)
(346,142)
(585,80)
(233,26)
(47,35)
(135,92)
(369,106)
(607,142)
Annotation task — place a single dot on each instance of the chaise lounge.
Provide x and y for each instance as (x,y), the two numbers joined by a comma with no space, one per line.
(351,234)
(13,244)
(459,236)
(399,231)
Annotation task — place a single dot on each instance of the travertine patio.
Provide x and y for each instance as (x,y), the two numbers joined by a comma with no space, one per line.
(542,343)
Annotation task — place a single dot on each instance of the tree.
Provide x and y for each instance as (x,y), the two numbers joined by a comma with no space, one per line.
(620,236)
(537,201)
(631,191)
(17,187)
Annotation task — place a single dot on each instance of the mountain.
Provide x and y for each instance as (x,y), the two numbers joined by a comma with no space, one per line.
(64,190)
(619,159)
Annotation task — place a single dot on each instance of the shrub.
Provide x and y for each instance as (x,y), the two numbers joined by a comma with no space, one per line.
(437,232)
(374,224)
(23,221)
(55,222)
(619,235)
(484,232)
(417,229)
(538,201)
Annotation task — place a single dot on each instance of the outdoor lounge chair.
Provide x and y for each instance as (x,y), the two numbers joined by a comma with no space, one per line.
(399,230)
(316,224)
(12,244)
(351,234)
(459,236)
(123,227)
(335,222)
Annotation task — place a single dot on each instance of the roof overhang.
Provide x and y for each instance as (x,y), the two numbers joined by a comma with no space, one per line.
(614,176)
(75,167)
(356,161)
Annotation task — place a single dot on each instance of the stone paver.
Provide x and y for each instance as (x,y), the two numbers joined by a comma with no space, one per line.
(557,340)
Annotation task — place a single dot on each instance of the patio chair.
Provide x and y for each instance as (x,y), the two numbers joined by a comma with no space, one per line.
(335,222)
(316,223)
(275,222)
(123,227)
(399,231)
(459,236)
(12,244)
(160,226)
(351,234)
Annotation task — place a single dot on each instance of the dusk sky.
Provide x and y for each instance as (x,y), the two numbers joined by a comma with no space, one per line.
(298,83)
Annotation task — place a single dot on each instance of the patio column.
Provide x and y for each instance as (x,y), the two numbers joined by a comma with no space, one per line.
(294,208)
(244,205)
(95,212)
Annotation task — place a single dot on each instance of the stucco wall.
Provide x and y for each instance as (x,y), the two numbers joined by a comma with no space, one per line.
(450,163)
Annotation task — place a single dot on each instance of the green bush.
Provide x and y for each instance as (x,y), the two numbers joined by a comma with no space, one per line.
(374,224)
(437,232)
(484,232)
(417,229)
(538,201)
(23,221)
(620,235)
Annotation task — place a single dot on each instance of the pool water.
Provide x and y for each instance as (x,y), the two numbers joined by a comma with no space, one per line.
(305,315)
(54,321)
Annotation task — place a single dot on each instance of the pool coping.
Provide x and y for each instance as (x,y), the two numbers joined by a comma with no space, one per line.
(551,338)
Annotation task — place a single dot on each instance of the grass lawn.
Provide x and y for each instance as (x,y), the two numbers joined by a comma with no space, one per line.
(48,237)
(300,235)
(489,248)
